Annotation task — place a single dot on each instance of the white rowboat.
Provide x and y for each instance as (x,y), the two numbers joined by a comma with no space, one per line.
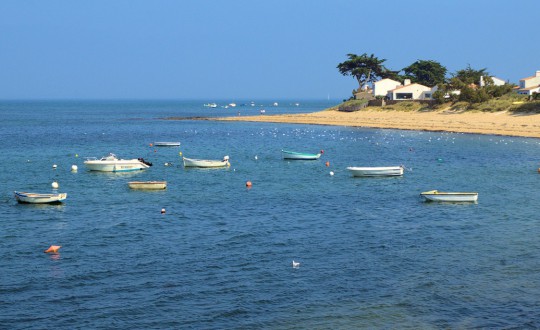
(35,198)
(190,162)
(166,144)
(439,196)
(376,171)
(149,185)
(112,164)
(299,155)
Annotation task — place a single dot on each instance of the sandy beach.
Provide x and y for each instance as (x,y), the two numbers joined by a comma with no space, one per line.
(497,123)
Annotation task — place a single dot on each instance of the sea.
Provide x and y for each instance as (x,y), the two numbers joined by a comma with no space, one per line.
(209,252)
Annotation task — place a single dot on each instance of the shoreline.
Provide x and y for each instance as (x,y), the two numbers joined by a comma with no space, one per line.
(488,123)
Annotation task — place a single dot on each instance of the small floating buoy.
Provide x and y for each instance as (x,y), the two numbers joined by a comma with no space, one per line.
(248,184)
(295,264)
(168,164)
(76,155)
(163,211)
(327,164)
(538,170)
(180,153)
(331,173)
(256,157)
(322,151)
(151,145)
(54,185)
(155,150)
(74,168)
(54,166)
(53,249)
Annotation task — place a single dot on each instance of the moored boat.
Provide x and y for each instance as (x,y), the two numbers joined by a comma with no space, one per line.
(440,196)
(148,185)
(166,144)
(37,198)
(190,162)
(299,155)
(111,163)
(376,171)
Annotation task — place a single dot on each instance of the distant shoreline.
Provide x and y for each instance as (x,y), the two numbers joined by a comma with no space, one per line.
(492,123)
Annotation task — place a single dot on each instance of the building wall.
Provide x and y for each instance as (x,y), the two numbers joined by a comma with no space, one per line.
(381,87)
(534,81)
(418,92)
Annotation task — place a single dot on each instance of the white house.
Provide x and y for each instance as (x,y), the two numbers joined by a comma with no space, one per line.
(411,92)
(381,87)
(530,85)
(496,81)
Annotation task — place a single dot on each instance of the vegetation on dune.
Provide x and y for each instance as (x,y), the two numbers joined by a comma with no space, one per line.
(468,89)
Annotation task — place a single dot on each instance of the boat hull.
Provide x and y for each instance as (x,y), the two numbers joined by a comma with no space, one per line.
(376,171)
(166,144)
(299,155)
(36,198)
(189,162)
(451,197)
(148,185)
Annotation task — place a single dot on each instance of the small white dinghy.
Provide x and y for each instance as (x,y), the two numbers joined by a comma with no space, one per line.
(36,198)
(166,144)
(440,196)
(376,171)
(148,185)
(190,162)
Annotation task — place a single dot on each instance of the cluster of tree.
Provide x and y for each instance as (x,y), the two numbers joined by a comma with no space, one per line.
(368,69)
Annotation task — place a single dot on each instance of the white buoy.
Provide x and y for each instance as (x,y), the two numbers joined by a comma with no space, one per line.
(331,173)
(74,168)
(54,166)
(163,211)
(54,185)
(256,157)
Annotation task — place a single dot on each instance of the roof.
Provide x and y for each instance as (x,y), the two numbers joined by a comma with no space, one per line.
(529,88)
(401,87)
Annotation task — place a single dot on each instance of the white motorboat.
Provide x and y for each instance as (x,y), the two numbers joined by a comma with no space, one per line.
(166,144)
(376,171)
(440,196)
(36,198)
(299,155)
(111,163)
(190,162)
(148,185)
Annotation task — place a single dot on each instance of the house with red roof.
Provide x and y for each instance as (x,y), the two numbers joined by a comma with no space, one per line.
(530,85)
(410,91)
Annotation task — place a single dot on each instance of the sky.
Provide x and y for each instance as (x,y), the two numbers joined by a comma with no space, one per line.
(248,49)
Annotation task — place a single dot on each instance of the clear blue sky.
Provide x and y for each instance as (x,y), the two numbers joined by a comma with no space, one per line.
(248,49)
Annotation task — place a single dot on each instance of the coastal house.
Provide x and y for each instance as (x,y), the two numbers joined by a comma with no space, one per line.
(411,92)
(381,87)
(530,85)
(496,81)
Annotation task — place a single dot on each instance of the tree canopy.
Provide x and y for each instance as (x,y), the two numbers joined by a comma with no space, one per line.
(426,72)
(470,75)
(364,68)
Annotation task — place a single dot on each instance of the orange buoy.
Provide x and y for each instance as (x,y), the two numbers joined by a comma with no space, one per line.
(151,144)
(538,170)
(248,184)
(53,249)
(327,164)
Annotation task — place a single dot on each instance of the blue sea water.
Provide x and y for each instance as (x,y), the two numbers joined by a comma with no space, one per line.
(372,254)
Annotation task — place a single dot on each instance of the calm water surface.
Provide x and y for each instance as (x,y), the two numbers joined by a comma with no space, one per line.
(372,253)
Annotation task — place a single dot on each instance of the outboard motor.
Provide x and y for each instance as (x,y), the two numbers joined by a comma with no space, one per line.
(144,162)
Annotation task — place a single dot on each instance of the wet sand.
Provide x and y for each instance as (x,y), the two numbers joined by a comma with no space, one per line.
(497,123)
